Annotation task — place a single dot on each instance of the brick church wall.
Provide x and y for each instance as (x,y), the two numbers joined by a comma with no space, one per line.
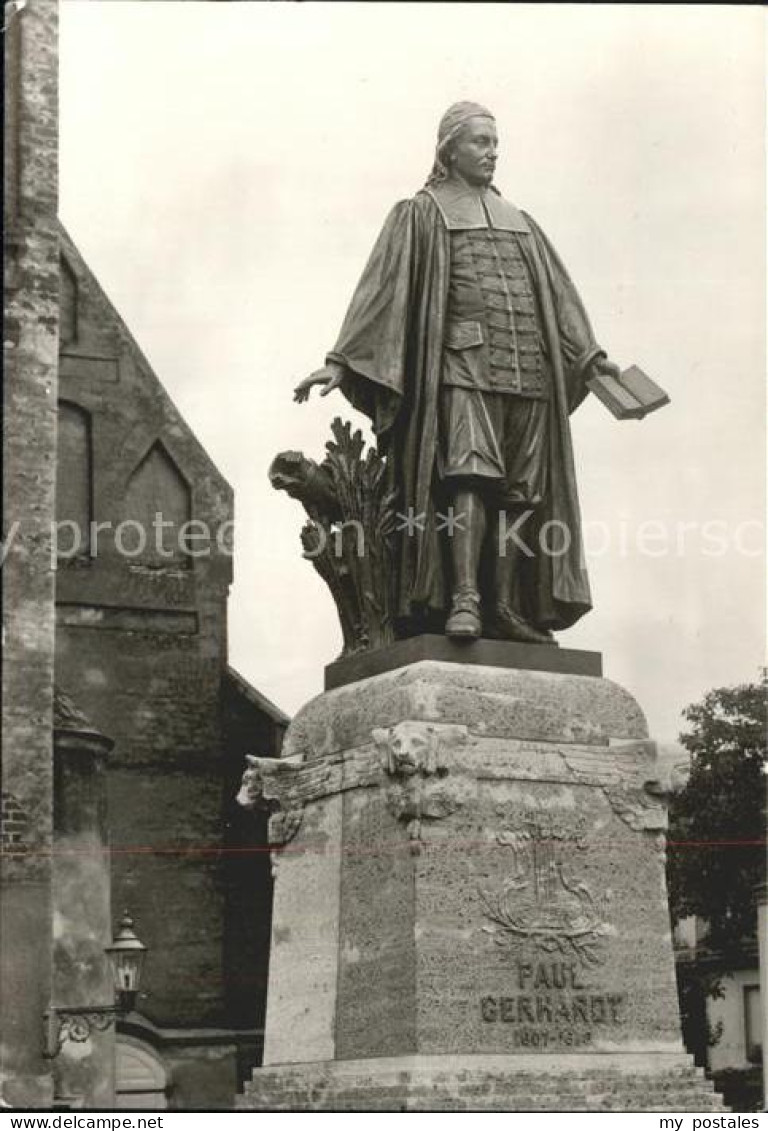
(90,436)
(142,645)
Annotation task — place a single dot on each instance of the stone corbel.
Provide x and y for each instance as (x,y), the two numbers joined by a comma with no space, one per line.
(628,774)
(282,789)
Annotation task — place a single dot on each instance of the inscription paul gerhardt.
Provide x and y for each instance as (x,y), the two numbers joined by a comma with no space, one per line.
(553,1006)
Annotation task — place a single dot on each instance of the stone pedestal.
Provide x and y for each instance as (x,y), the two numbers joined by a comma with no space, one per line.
(470,907)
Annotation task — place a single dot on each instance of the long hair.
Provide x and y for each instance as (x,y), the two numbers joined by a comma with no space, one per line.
(440,171)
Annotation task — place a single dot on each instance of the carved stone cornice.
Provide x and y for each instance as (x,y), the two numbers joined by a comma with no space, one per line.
(627,773)
(410,760)
(428,770)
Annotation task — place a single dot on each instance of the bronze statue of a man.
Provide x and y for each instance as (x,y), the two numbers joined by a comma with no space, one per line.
(467,346)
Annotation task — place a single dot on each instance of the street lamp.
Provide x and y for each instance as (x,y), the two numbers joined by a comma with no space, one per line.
(127,957)
(76,1023)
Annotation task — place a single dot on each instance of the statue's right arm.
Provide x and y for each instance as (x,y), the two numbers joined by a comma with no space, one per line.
(366,359)
(331,375)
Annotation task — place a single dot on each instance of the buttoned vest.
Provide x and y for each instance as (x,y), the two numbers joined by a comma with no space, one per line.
(492,304)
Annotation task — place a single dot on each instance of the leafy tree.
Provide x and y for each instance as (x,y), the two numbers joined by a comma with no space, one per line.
(717,831)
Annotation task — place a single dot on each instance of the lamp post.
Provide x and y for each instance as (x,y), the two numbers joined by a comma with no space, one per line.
(76,1023)
(127,957)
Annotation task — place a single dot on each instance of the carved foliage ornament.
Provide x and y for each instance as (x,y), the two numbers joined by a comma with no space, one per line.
(541,902)
(349,537)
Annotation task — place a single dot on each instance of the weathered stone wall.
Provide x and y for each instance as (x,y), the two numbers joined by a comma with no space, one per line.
(249,729)
(564,1083)
(504,824)
(195,1069)
(30,337)
(82,921)
(203,1076)
(142,646)
(140,642)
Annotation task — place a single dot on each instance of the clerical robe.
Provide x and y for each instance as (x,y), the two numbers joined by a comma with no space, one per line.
(392,346)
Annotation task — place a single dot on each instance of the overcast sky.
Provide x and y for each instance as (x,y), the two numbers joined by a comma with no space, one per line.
(225,169)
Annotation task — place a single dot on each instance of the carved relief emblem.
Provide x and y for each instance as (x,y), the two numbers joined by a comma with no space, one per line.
(541,902)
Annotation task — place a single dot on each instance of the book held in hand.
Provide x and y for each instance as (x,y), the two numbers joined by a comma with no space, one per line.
(632,396)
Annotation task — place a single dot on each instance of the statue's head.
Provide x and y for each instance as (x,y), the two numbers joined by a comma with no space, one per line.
(466,145)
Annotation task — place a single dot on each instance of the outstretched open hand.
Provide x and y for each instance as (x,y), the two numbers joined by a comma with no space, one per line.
(331,378)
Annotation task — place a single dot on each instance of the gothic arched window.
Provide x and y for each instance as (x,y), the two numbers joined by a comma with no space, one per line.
(157,507)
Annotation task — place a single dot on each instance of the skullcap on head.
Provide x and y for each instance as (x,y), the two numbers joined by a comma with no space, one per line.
(456,116)
(451,122)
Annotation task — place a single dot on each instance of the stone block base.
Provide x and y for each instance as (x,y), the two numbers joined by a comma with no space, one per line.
(470,908)
(641,1082)
(476,653)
